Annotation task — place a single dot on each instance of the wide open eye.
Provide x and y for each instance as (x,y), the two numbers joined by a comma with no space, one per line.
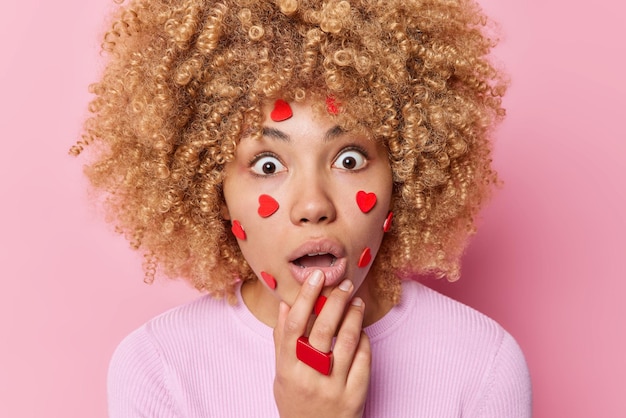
(266,165)
(350,159)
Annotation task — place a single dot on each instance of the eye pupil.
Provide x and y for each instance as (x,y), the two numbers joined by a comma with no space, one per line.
(269,168)
(349,162)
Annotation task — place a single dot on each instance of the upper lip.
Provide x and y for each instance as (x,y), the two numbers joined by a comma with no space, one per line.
(319,246)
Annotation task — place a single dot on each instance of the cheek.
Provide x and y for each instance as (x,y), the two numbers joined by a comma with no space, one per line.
(244,216)
(371,229)
(257,222)
(366,200)
(267,206)
(369,222)
(373,207)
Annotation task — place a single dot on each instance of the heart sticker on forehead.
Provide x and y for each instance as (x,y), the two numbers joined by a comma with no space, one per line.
(332,106)
(282,111)
(366,201)
(267,205)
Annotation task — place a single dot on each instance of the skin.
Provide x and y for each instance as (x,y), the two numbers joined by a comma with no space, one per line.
(314,171)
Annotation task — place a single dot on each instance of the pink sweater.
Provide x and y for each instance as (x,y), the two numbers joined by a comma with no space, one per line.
(432,357)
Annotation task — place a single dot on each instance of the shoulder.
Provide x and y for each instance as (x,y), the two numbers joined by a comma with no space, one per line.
(145,365)
(428,313)
(487,356)
(460,330)
(456,349)
(433,312)
(184,326)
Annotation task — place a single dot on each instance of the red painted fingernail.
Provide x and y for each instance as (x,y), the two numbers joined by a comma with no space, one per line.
(267,205)
(238,231)
(314,358)
(366,257)
(319,304)
(282,111)
(366,201)
(388,221)
(269,280)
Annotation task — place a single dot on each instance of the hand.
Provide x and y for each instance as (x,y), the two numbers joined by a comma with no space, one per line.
(301,391)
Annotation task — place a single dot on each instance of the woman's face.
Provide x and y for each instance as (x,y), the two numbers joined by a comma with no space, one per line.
(294,193)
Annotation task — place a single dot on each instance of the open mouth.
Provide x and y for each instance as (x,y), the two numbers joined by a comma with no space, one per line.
(315,260)
(323,254)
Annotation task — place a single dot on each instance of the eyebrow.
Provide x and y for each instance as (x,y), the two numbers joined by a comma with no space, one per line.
(274,133)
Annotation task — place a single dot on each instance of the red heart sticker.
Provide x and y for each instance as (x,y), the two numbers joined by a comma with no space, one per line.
(387,223)
(238,231)
(366,257)
(332,106)
(269,280)
(267,205)
(282,111)
(366,201)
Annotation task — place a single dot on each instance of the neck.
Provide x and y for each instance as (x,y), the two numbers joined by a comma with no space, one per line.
(260,302)
(375,306)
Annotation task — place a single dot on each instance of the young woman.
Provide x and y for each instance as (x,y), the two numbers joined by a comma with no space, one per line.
(300,161)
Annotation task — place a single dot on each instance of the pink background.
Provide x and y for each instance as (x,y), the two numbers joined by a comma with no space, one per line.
(548,262)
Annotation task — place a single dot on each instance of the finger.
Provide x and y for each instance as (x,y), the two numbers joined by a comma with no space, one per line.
(283,311)
(327,322)
(298,316)
(360,369)
(349,337)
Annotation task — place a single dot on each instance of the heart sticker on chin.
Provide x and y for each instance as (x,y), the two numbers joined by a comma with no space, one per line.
(238,231)
(366,201)
(282,111)
(267,206)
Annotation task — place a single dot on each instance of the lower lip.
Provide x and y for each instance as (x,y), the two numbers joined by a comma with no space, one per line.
(332,274)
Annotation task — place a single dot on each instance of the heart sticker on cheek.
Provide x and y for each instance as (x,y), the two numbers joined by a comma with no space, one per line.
(387,223)
(366,257)
(267,205)
(238,231)
(366,201)
(282,111)
(269,280)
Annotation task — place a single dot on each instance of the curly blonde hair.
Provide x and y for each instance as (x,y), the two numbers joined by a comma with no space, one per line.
(186,78)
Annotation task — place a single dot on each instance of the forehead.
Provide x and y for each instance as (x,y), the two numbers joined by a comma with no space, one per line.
(307,114)
(311,117)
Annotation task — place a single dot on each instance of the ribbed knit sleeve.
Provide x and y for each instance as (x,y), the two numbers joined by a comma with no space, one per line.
(137,381)
(508,389)
(435,357)
(203,359)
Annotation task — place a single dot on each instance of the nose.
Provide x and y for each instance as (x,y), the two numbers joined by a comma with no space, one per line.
(313,203)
